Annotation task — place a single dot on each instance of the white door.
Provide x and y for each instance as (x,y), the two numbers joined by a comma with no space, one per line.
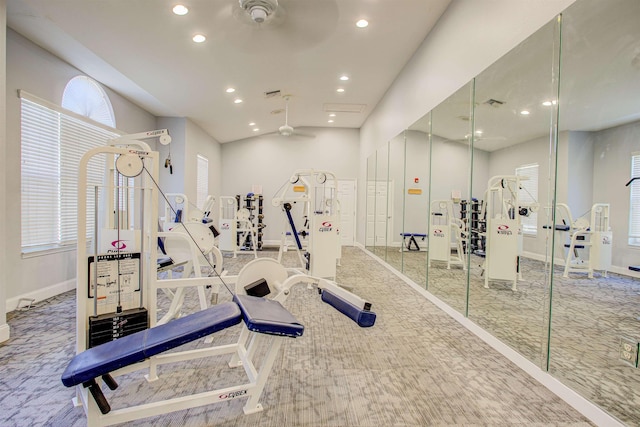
(347,198)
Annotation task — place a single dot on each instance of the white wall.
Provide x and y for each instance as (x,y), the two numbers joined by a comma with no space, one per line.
(199,142)
(38,72)
(417,165)
(270,160)
(579,167)
(470,36)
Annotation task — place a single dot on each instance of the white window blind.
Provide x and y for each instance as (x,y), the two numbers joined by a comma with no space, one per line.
(634,202)
(202,180)
(528,194)
(52,144)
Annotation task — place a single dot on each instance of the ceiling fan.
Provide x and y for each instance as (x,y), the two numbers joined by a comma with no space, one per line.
(286,130)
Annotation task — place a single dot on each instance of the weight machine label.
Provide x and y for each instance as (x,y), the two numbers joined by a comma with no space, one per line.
(112,268)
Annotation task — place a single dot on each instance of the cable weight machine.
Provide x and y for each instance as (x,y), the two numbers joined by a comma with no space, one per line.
(117,239)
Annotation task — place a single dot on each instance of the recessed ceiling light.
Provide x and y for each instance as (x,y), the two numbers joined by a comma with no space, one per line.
(199,38)
(180,9)
(329,121)
(524,112)
(344,78)
(256,129)
(362,23)
(230,90)
(340,90)
(252,124)
(332,115)
(547,103)
(237,101)
(478,132)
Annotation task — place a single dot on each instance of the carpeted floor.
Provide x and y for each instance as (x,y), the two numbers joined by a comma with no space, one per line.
(415,367)
(589,317)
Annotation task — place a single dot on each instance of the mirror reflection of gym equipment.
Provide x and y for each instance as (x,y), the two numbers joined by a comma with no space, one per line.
(446,235)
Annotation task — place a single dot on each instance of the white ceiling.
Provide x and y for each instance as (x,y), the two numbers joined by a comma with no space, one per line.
(141,50)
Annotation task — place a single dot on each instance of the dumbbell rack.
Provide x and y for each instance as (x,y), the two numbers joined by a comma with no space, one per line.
(254,204)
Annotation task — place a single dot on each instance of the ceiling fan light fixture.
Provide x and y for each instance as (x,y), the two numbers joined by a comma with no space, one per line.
(285,130)
(259,10)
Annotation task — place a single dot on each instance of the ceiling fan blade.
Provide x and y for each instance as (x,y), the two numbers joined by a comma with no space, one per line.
(305,135)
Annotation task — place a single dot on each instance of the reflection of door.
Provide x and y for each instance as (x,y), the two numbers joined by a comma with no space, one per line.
(377,221)
(347,198)
(371,208)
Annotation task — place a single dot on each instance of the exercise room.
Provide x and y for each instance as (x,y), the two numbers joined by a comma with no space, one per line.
(327,213)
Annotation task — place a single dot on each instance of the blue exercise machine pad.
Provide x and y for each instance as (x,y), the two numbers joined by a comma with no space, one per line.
(363,318)
(268,316)
(136,347)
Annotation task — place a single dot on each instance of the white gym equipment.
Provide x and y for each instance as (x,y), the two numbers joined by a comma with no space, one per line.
(589,242)
(316,191)
(235,225)
(117,291)
(503,209)
(177,209)
(188,240)
(445,235)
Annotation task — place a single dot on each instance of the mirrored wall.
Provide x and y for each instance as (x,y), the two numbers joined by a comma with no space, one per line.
(508,201)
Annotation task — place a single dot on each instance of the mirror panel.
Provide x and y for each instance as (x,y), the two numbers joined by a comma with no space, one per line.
(416,204)
(395,217)
(449,187)
(381,202)
(510,279)
(371,202)
(595,323)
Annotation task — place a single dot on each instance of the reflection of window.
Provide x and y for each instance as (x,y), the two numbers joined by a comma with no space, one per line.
(52,143)
(528,195)
(634,202)
(202,180)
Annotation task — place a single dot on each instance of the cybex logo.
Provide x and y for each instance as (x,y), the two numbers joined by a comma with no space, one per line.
(119,245)
(504,229)
(438,233)
(326,226)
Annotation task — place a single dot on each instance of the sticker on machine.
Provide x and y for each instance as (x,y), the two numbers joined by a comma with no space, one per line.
(326,226)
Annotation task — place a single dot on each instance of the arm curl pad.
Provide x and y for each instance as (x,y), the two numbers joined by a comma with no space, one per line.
(362,317)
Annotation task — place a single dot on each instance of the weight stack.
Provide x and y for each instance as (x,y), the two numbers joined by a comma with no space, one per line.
(111,326)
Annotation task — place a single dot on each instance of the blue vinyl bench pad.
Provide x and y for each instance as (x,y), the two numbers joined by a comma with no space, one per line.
(134,348)
(268,316)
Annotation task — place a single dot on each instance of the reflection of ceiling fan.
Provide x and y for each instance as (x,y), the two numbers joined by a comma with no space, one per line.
(286,130)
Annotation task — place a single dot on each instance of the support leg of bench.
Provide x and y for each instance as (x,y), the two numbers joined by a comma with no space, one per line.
(252,406)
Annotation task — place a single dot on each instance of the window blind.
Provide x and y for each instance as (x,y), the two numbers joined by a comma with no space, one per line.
(528,194)
(634,202)
(202,180)
(52,144)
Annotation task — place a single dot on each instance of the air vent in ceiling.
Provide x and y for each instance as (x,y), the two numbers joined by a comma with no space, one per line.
(271,93)
(278,111)
(493,103)
(344,108)
(464,118)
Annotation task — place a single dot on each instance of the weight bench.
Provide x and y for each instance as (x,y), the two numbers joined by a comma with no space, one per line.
(412,240)
(263,319)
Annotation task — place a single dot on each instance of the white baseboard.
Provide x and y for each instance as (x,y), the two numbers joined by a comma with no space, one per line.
(560,262)
(4,332)
(582,405)
(41,294)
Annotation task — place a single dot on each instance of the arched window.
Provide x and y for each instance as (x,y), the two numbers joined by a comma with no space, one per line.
(85,96)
